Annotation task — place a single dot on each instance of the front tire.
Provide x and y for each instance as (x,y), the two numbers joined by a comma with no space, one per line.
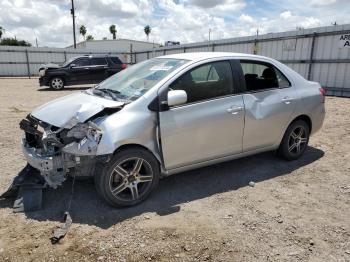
(295,140)
(57,83)
(128,178)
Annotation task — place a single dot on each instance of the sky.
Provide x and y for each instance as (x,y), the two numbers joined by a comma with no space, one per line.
(50,21)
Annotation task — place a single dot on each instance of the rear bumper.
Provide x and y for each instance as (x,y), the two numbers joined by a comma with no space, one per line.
(318,117)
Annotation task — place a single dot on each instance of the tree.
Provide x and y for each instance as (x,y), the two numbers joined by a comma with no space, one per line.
(82,30)
(2,30)
(89,37)
(14,42)
(113,31)
(147,30)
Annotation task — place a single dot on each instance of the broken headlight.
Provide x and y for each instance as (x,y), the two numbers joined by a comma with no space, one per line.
(87,130)
(42,72)
(87,137)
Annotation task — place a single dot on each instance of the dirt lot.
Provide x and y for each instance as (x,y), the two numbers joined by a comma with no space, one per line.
(297,211)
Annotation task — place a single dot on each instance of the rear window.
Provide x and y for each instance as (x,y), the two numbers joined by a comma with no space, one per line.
(116,60)
(98,61)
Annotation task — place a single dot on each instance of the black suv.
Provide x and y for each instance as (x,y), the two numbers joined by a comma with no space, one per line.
(90,69)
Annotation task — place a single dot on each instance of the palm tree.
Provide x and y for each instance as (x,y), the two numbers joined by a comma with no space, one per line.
(89,37)
(82,30)
(113,31)
(147,31)
(2,30)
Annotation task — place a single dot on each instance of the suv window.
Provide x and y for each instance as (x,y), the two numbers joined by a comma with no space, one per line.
(116,60)
(261,76)
(206,81)
(98,61)
(81,62)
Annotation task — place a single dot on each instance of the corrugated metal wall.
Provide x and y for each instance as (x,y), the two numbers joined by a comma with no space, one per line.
(318,54)
(24,61)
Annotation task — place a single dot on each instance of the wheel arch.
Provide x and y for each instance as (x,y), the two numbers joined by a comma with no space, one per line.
(305,118)
(134,145)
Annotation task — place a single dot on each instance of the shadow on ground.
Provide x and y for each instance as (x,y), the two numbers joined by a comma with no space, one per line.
(88,208)
(70,88)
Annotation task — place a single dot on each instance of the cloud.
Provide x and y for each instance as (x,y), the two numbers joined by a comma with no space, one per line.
(218,5)
(186,21)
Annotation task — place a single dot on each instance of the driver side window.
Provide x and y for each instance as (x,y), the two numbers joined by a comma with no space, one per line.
(206,81)
(82,62)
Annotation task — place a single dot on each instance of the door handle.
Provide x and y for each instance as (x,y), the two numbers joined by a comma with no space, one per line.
(87,68)
(287,100)
(234,110)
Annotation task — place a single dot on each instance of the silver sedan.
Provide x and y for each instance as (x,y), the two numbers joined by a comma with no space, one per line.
(171,114)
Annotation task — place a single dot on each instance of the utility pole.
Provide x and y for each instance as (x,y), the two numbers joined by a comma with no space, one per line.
(72,11)
(209,39)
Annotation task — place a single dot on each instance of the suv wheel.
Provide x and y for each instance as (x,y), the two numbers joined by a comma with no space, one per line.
(295,140)
(128,178)
(57,83)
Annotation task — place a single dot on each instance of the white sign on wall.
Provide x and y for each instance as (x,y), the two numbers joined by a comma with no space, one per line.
(344,41)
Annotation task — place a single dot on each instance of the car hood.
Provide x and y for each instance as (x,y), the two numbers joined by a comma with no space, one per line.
(49,66)
(76,108)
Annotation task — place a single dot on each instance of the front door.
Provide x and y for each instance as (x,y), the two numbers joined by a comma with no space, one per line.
(210,125)
(79,71)
(269,103)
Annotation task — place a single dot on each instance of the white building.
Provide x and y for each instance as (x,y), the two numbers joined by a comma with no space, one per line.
(118,45)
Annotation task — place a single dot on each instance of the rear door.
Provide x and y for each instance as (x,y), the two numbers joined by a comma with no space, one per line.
(269,102)
(210,124)
(98,69)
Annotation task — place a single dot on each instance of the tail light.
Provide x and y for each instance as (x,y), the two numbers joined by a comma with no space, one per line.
(123,66)
(323,93)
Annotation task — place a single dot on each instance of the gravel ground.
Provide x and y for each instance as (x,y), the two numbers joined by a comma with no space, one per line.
(297,211)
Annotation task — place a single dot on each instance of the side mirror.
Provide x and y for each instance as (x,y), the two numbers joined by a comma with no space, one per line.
(72,66)
(177,97)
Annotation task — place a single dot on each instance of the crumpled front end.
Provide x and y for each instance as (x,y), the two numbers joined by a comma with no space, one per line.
(60,151)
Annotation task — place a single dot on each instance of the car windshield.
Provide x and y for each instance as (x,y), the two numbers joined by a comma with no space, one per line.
(136,80)
(68,61)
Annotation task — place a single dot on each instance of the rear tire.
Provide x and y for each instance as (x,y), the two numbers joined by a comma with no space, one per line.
(295,140)
(57,83)
(128,178)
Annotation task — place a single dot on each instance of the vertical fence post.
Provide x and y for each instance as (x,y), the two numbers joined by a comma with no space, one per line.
(131,54)
(184,49)
(147,54)
(213,48)
(164,52)
(311,56)
(65,55)
(28,67)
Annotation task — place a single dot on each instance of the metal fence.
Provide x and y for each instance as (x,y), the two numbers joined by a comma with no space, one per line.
(319,54)
(25,61)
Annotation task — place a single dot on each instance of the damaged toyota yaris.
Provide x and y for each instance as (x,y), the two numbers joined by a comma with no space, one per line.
(171,114)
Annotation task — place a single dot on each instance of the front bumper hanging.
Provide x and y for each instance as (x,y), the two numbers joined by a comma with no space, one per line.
(27,188)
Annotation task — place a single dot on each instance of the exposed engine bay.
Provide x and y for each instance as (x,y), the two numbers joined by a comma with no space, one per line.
(60,151)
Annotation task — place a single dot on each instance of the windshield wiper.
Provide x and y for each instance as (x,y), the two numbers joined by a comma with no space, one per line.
(102,91)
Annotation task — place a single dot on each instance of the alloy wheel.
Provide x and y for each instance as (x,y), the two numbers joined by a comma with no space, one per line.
(297,140)
(131,179)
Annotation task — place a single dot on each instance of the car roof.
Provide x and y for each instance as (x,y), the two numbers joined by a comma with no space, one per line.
(95,56)
(207,55)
